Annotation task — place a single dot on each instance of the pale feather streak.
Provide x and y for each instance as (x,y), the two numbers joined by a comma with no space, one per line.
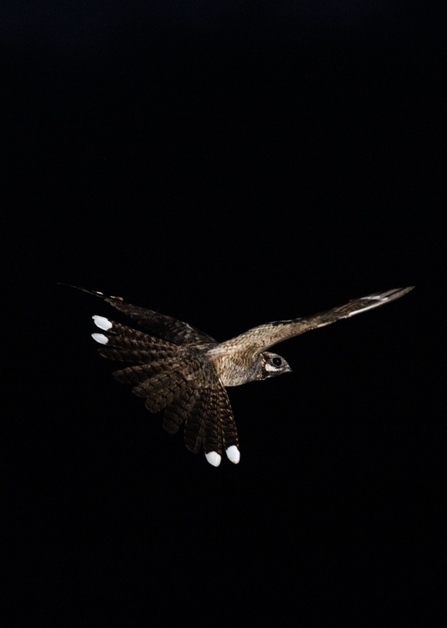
(363,309)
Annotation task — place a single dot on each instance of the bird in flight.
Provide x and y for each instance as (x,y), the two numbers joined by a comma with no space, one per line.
(184,372)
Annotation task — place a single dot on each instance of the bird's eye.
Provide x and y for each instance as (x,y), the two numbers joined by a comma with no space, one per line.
(277,361)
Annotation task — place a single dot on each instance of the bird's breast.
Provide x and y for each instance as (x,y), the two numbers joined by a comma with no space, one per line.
(232,368)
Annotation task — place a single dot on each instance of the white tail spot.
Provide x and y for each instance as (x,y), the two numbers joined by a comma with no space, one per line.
(213,458)
(103,340)
(233,454)
(102,322)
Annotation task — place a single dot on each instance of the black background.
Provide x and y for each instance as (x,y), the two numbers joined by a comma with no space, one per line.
(227,167)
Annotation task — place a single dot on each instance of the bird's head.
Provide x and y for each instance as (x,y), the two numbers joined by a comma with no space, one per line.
(273,365)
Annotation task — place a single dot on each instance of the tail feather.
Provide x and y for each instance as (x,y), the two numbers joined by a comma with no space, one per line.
(143,372)
(212,428)
(230,435)
(193,432)
(122,337)
(181,407)
(160,391)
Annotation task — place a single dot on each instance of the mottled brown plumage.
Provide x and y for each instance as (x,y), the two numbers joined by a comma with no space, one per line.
(183,371)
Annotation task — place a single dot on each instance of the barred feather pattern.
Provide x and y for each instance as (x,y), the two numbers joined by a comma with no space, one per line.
(131,345)
(179,380)
(228,424)
(182,371)
(211,422)
(160,325)
(180,409)
(194,425)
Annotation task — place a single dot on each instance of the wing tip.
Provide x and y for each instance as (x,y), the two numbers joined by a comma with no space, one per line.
(378,298)
(95,293)
(398,292)
(389,295)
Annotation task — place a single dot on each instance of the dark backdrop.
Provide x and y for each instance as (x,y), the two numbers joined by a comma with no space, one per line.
(228,165)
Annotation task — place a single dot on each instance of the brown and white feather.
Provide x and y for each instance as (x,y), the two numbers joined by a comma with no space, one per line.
(183,372)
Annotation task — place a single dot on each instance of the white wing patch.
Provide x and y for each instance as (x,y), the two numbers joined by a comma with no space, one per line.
(376,298)
(379,301)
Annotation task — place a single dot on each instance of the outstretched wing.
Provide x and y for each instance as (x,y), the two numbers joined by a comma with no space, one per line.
(261,338)
(180,381)
(159,325)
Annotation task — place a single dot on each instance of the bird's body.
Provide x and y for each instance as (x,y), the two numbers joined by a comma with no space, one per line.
(183,371)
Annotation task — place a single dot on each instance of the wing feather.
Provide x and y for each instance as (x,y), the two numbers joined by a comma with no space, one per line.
(160,325)
(261,338)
